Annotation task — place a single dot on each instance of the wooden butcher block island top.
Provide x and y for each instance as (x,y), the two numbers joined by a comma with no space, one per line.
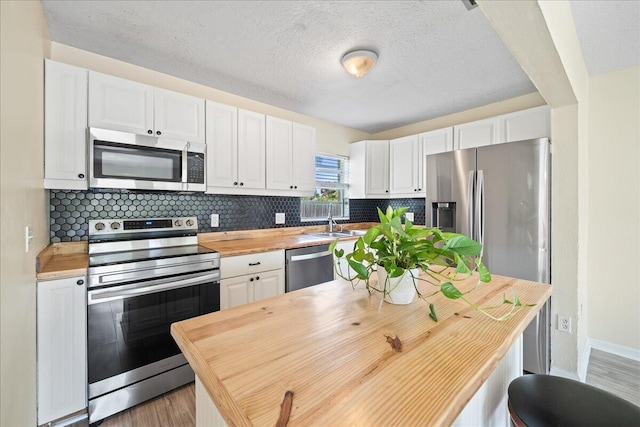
(328,345)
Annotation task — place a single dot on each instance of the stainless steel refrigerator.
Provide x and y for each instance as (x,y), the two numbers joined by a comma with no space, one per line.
(500,195)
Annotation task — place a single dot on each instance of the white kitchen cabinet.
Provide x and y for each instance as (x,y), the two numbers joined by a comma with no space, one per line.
(304,158)
(124,105)
(251,150)
(436,141)
(290,156)
(369,169)
(405,179)
(178,116)
(61,347)
(526,124)
(249,278)
(65,126)
(222,145)
(120,104)
(279,154)
(476,134)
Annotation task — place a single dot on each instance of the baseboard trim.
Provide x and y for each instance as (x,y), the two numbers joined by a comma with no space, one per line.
(618,350)
(583,361)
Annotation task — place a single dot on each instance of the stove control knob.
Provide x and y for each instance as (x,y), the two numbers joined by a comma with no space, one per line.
(100,226)
(115,225)
(178,223)
(189,223)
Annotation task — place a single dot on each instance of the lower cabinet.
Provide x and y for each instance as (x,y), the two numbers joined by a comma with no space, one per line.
(61,348)
(249,278)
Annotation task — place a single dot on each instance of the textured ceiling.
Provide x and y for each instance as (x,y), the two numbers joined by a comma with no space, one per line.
(436,57)
(609,33)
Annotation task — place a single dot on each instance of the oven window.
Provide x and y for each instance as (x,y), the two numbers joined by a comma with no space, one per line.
(113,160)
(133,332)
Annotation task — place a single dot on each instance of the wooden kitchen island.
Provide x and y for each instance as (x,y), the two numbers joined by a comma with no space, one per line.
(328,345)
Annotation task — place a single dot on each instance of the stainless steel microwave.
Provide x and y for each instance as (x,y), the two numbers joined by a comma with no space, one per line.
(141,162)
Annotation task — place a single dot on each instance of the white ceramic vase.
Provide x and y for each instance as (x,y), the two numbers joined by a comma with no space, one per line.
(399,290)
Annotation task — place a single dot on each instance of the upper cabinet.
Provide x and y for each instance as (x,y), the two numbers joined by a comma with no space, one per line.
(526,124)
(235,150)
(304,158)
(521,125)
(290,156)
(369,169)
(279,154)
(251,149)
(65,131)
(476,134)
(128,106)
(405,156)
(222,145)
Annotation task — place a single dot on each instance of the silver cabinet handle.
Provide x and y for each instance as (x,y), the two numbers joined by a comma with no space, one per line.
(129,291)
(310,256)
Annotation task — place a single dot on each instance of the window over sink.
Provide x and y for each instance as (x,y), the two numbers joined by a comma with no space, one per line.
(331,190)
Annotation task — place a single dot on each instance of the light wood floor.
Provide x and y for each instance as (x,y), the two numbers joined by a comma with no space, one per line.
(615,374)
(609,372)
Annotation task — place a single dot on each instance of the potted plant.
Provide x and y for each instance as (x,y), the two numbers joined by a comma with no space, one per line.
(397,253)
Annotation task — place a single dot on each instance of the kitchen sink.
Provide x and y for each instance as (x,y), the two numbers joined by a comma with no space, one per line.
(345,233)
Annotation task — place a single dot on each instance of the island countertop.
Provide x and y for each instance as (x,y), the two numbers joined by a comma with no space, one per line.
(328,345)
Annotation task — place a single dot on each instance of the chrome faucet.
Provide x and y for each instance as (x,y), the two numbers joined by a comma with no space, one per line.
(332,223)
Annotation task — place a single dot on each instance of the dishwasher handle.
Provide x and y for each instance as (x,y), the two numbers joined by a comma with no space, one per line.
(310,256)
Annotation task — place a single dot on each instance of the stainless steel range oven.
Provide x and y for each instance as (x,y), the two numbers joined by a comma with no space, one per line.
(144,274)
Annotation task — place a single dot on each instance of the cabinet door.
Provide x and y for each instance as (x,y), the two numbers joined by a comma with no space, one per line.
(279,154)
(222,145)
(235,291)
(377,168)
(65,126)
(527,124)
(477,134)
(178,116)
(433,142)
(268,284)
(251,149)
(120,104)
(62,346)
(404,160)
(304,158)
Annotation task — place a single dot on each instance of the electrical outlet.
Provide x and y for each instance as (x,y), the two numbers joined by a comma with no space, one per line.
(564,323)
(280,218)
(409,216)
(215,220)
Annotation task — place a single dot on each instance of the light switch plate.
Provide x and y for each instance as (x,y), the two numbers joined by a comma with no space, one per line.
(28,239)
(215,220)
(409,216)
(280,218)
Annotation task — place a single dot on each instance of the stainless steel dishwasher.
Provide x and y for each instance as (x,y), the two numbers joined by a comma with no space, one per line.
(307,267)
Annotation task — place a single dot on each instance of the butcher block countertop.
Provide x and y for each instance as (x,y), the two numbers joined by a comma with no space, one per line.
(70,259)
(328,345)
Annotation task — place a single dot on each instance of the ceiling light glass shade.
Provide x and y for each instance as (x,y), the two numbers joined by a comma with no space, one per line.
(359,62)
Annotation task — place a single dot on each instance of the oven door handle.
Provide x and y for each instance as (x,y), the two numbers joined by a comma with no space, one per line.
(122,292)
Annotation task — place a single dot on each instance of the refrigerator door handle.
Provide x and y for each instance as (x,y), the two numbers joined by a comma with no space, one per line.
(480,208)
(470,204)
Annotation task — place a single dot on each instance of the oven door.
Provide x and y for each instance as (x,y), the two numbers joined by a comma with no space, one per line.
(137,162)
(129,336)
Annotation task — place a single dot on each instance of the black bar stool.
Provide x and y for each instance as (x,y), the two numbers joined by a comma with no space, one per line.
(545,400)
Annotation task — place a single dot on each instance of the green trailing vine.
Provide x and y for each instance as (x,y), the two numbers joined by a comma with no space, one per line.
(445,258)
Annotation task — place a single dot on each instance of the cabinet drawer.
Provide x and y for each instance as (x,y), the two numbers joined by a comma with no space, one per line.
(248,264)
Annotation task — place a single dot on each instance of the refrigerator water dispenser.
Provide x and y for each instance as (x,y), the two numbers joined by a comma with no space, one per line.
(443,216)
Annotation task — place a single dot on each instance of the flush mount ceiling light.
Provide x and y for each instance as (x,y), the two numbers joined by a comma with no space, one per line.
(359,62)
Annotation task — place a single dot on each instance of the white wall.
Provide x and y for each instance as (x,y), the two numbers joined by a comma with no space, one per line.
(614,208)
(330,137)
(24,43)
